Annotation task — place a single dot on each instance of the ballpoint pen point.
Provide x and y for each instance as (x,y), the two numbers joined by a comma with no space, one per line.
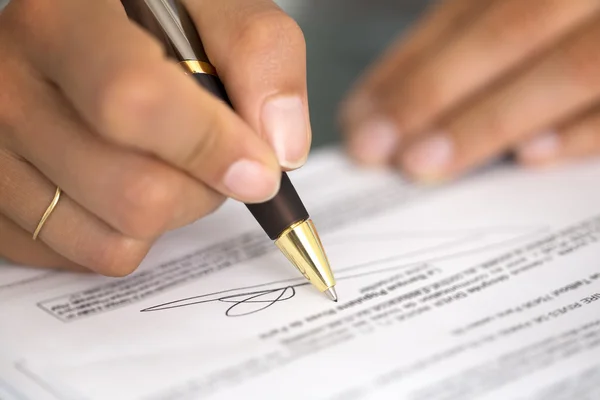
(330,292)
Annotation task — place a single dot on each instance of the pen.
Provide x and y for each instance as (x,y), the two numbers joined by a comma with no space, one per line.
(283,218)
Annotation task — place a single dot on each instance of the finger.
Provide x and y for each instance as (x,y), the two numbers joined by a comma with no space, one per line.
(441,23)
(577,139)
(372,137)
(17,247)
(259,53)
(137,195)
(131,95)
(559,85)
(70,231)
(505,35)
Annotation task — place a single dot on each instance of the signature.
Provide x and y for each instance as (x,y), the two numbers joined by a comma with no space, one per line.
(245,303)
(253,299)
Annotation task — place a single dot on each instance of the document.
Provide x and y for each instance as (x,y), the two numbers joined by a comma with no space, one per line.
(484,288)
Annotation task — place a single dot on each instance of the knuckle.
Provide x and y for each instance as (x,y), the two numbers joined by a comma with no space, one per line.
(147,204)
(115,256)
(268,31)
(129,101)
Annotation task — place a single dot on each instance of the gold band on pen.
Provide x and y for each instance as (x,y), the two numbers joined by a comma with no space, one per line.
(198,67)
(47,213)
(294,242)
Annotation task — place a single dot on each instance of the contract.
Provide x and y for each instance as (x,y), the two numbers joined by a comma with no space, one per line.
(487,288)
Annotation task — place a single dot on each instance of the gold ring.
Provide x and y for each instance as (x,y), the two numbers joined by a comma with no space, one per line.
(47,213)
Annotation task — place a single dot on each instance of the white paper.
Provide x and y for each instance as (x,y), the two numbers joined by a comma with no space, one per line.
(488,288)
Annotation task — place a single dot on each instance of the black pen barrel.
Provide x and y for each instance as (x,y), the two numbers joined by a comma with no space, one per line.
(283,210)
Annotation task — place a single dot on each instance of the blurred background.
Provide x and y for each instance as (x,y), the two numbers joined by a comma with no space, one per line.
(343,37)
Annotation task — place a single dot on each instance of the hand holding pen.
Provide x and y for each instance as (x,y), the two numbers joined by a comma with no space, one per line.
(102,130)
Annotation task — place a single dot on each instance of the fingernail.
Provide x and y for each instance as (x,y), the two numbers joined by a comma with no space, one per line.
(251,181)
(284,121)
(541,147)
(374,141)
(431,157)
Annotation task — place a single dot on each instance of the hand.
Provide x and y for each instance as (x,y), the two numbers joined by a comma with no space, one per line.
(476,79)
(89,103)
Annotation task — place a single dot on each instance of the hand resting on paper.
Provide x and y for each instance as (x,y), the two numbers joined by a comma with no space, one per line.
(476,79)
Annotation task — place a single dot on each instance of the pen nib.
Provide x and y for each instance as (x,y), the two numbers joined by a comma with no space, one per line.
(301,245)
(331,294)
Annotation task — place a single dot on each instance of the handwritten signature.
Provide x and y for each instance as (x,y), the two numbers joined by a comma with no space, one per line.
(242,303)
(253,299)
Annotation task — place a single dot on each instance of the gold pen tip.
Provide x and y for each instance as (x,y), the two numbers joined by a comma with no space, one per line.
(301,245)
(330,292)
